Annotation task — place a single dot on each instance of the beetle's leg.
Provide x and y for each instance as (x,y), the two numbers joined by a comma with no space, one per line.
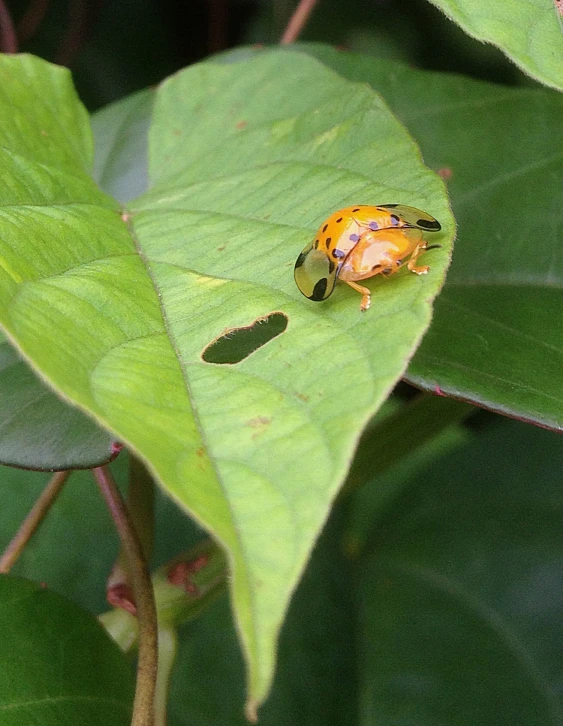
(364,292)
(411,264)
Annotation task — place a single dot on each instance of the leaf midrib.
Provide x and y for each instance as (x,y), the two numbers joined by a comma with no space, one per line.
(191,403)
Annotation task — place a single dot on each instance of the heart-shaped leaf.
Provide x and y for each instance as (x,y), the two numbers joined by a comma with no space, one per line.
(118,308)
(58,667)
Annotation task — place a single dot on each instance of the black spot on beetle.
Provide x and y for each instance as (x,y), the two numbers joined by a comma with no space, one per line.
(325,228)
(319,290)
(338,254)
(328,240)
(356,210)
(398,262)
(339,219)
(375,267)
(430,224)
(300,260)
(316,244)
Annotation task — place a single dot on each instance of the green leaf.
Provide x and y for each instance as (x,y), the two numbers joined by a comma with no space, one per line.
(58,667)
(316,680)
(37,429)
(495,338)
(70,558)
(120,158)
(529,32)
(248,160)
(396,436)
(460,602)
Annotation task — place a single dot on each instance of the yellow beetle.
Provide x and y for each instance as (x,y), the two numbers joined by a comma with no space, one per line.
(359,242)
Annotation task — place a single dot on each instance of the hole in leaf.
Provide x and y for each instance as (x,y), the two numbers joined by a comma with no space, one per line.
(236,344)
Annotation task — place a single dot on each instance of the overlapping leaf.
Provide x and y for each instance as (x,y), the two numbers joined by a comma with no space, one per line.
(529,32)
(120,157)
(58,667)
(116,308)
(37,429)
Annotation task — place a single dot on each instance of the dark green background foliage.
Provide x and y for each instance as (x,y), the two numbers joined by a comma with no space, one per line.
(433,595)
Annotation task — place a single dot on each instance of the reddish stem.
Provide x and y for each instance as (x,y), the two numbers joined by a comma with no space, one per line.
(298,21)
(139,579)
(30,524)
(218,19)
(8,39)
(32,19)
(74,36)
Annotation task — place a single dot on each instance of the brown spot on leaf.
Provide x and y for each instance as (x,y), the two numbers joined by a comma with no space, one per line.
(259,421)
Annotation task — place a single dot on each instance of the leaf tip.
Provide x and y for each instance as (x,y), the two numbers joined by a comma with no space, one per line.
(251,710)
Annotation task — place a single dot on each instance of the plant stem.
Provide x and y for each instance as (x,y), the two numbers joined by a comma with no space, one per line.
(297,21)
(75,34)
(30,524)
(8,39)
(167,647)
(143,705)
(218,23)
(184,588)
(32,19)
(140,503)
